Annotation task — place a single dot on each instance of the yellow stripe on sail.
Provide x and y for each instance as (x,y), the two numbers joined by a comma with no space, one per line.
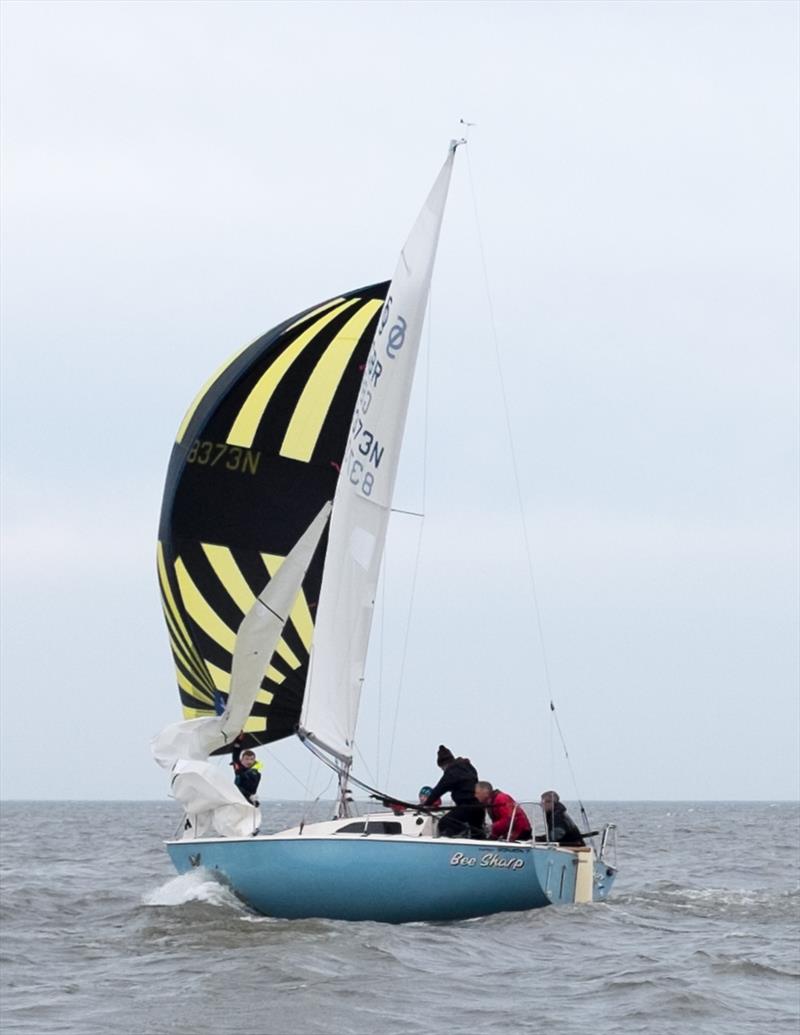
(244,428)
(221,370)
(230,575)
(288,655)
(300,615)
(192,690)
(190,658)
(196,713)
(202,612)
(175,622)
(222,681)
(313,313)
(253,724)
(200,692)
(201,394)
(312,409)
(166,589)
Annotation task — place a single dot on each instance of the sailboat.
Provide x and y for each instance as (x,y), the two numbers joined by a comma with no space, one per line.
(275,512)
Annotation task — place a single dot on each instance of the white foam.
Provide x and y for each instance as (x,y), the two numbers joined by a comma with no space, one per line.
(197,886)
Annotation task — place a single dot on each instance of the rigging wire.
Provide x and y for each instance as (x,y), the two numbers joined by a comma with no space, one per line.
(569,762)
(314,802)
(285,767)
(307,803)
(357,749)
(404,654)
(381,652)
(424,466)
(336,767)
(515,468)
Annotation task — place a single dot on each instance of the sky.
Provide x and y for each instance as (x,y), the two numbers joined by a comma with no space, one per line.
(622,232)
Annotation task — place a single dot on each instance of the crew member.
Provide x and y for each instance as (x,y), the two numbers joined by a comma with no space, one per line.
(506,815)
(247,771)
(459,777)
(560,828)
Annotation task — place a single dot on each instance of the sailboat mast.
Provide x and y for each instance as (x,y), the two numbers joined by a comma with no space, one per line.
(343,798)
(363,498)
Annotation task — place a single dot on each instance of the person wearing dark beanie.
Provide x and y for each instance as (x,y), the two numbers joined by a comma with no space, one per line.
(458,779)
(444,756)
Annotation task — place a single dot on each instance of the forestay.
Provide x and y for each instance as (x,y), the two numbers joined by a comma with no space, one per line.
(364,491)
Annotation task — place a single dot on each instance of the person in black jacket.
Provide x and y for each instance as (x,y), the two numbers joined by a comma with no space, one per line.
(246,769)
(459,779)
(560,828)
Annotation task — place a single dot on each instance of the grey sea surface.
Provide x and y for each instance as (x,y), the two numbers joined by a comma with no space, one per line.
(700,936)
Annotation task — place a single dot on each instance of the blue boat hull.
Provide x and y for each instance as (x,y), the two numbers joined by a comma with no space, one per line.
(390,879)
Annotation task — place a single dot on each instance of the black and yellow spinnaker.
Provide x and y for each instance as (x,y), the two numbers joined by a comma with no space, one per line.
(256,456)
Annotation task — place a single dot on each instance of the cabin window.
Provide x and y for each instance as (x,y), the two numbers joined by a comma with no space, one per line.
(378,827)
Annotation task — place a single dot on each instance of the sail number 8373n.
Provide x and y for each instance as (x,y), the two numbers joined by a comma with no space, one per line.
(234,458)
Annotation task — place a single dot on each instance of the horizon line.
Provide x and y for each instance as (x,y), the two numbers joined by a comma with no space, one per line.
(303,801)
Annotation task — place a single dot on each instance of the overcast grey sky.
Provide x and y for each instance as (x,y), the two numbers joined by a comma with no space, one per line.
(179,177)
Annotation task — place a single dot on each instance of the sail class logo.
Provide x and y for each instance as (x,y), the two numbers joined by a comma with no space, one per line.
(491,859)
(397,337)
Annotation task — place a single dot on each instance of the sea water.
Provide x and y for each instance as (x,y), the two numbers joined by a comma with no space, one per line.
(100,936)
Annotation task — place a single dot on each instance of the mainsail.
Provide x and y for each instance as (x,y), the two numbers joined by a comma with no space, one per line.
(256,457)
(364,492)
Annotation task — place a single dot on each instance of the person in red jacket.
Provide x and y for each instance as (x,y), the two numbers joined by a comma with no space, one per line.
(504,813)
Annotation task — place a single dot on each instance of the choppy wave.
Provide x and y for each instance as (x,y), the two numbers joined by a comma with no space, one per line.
(107,939)
(197,886)
(674,897)
(733,964)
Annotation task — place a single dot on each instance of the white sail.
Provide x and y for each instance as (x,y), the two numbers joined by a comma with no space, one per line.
(214,805)
(364,491)
(256,641)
